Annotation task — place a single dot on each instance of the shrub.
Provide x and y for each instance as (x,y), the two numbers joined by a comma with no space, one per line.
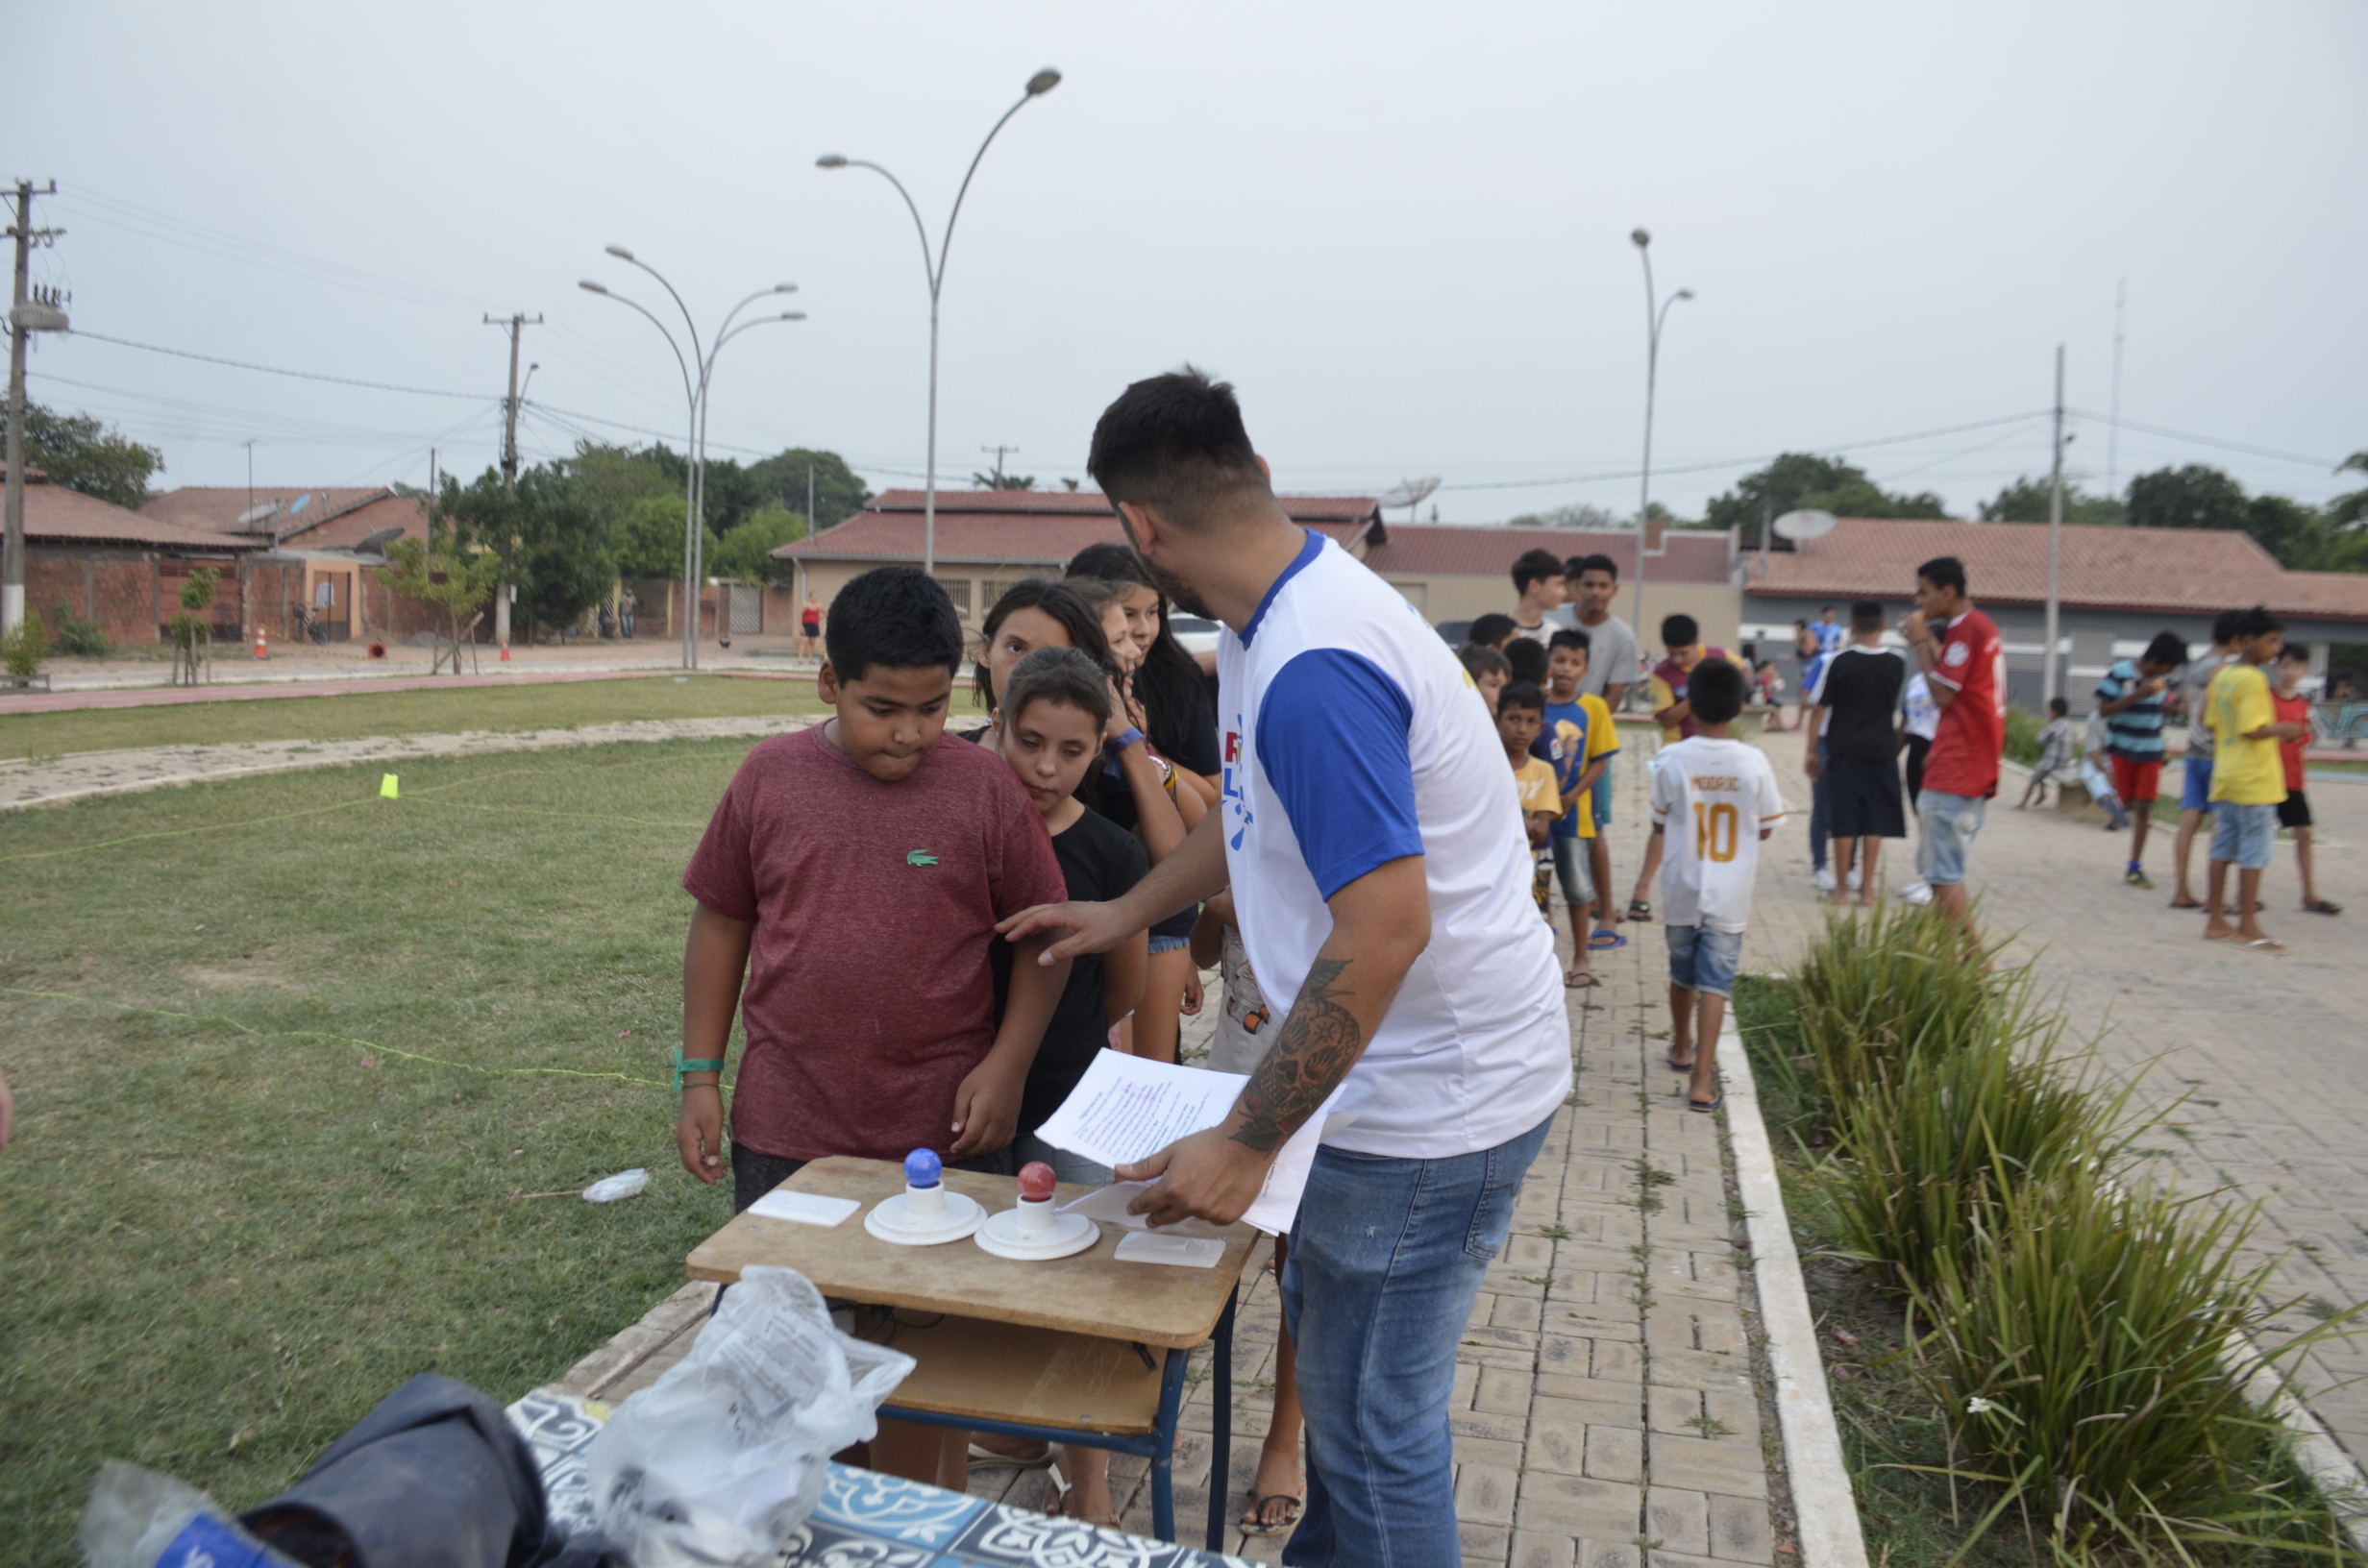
(75,636)
(2022,735)
(23,649)
(1885,984)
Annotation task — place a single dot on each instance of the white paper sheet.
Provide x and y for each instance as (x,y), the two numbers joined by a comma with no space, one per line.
(806,1208)
(1182,1251)
(1128,1108)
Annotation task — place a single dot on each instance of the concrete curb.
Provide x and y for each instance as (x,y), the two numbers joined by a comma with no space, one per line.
(2322,1459)
(1824,1504)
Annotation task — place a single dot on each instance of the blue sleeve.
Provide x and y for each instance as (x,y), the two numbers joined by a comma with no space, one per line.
(1332,739)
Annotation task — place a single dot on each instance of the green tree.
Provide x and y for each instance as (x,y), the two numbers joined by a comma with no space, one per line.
(2349,511)
(79,453)
(1003,482)
(555,539)
(2026,500)
(442,571)
(746,554)
(618,478)
(1583,515)
(838,495)
(1798,482)
(2197,496)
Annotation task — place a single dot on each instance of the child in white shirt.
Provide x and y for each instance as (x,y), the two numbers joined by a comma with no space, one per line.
(1720,795)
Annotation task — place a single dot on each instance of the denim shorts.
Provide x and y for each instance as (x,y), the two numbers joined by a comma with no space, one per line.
(1169,945)
(1570,856)
(1703,959)
(1950,823)
(1603,798)
(2195,794)
(2243,834)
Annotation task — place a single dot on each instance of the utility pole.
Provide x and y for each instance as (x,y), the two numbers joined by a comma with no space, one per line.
(2112,431)
(2051,680)
(809,500)
(998,462)
(516,324)
(26,314)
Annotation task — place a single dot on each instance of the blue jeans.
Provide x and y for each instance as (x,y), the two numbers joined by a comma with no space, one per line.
(1817,811)
(1385,1259)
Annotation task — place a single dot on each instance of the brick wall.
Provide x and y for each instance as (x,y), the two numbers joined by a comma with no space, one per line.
(116,588)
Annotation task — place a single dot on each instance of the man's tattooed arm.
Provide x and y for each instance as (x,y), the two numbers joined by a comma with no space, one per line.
(1320,1042)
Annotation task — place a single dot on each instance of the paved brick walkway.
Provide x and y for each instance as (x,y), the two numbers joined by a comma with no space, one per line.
(2272,1050)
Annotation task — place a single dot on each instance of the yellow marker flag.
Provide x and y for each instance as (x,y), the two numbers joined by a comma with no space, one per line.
(386,788)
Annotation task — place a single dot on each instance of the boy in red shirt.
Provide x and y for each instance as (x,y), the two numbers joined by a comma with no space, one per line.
(2294,811)
(1966,669)
(839,857)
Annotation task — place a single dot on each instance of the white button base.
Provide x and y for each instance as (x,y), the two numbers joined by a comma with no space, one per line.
(1001,1234)
(891,1220)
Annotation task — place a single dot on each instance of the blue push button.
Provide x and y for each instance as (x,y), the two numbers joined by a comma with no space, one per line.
(922,1168)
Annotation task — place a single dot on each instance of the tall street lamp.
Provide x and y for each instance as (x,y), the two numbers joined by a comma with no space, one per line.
(933,267)
(1656,313)
(695,390)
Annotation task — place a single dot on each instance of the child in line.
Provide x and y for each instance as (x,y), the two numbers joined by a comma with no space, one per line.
(2091,760)
(1492,631)
(1488,671)
(1246,1030)
(2134,699)
(1715,796)
(1521,717)
(1580,742)
(1673,712)
(1049,727)
(1527,659)
(2294,812)
(2059,745)
(2247,779)
(831,847)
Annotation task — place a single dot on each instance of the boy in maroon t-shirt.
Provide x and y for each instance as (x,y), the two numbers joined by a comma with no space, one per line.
(854,873)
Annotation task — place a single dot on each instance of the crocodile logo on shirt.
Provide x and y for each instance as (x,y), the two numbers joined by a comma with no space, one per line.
(918,857)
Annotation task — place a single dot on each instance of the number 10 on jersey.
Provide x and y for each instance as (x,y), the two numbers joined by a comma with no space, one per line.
(1715,831)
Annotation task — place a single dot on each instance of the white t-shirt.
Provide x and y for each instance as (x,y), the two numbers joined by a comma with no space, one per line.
(1710,799)
(1350,740)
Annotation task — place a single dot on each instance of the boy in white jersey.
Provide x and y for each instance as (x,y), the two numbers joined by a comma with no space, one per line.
(1721,796)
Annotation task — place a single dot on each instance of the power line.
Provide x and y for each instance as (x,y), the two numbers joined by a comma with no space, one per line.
(1745,462)
(2329,465)
(276,370)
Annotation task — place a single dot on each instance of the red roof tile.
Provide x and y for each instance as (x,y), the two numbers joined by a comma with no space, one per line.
(1439,550)
(1023,528)
(219,506)
(55,515)
(2166,570)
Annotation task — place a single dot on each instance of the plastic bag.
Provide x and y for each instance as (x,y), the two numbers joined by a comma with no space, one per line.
(139,1519)
(625,1183)
(723,1458)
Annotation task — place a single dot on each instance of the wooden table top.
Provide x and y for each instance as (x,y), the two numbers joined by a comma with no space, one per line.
(1090,1292)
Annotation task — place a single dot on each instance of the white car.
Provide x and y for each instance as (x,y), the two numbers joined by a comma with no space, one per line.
(1197,635)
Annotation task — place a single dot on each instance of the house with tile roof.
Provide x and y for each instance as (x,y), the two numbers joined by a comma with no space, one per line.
(987,539)
(319,577)
(2116,588)
(120,568)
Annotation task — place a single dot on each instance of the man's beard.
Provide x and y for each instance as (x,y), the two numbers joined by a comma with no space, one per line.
(1171,588)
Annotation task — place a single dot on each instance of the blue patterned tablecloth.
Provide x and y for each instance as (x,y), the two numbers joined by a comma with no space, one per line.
(867,1520)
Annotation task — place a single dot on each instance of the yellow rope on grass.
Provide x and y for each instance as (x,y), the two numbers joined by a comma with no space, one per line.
(323,1034)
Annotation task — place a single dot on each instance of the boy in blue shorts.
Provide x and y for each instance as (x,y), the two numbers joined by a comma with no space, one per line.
(1715,799)
(1580,741)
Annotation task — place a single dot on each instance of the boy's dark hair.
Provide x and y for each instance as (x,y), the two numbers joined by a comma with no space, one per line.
(2167,649)
(1491,628)
(1579,566)
(1866,615)
(2258,622)
(1943,572)
(1175,442)
(1570,637)
(1527,658)
(1715,688)
(1535,566)
(1520,694)
(1829,610)
(1062,675)
(2300,653)
(1679,631)
(1479,661)
(892,616)
(2057,707)
(2224,626)
(1080,619)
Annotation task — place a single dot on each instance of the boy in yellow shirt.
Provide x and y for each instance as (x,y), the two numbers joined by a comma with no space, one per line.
(2248,778)
(1521,717)
(1579,741)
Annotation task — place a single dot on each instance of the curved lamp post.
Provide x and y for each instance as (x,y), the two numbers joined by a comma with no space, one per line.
(1656,313)
(695,442)
(933,267)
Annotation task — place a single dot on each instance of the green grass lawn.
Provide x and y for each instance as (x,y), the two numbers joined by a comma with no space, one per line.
(560,705)
(241,1204)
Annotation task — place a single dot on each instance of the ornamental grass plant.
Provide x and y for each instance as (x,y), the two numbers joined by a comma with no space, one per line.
(1882,986)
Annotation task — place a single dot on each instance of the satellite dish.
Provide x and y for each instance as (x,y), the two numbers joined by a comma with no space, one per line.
(1410,493)
(257,514)
(299,504)
(1799,525)
(379,539)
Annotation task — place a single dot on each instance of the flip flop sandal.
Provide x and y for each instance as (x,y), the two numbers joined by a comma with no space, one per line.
(1258,1508)
(2262,945)
(1583,980)
(2189,904)
(1706,1107)
(1675,1065)
(2322,907)
(1637,910)
(1603,942)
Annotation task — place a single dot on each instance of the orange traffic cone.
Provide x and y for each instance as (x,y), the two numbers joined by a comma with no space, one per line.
(505,653)
(263,648)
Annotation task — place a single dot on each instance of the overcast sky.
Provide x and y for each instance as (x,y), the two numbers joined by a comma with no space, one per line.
(1402,229)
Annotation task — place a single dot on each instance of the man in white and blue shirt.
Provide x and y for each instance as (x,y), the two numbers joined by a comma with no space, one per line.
(1370,835)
